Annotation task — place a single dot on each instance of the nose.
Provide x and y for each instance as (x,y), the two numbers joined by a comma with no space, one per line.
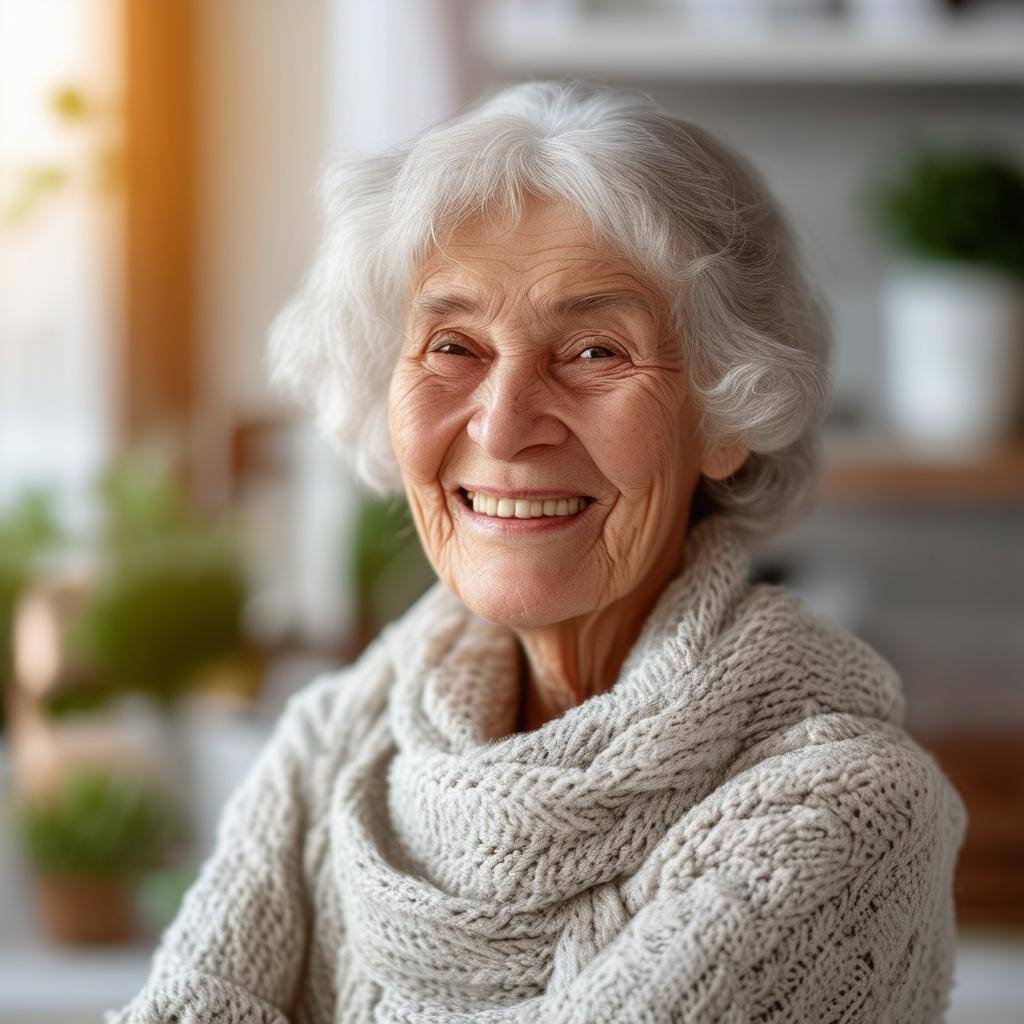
(515,411)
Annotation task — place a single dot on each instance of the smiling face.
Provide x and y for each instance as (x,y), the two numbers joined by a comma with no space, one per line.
(540,416)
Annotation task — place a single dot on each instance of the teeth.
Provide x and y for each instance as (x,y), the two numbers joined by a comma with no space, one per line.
(525,508)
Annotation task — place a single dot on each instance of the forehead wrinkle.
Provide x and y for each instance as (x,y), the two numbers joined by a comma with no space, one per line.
(452,296)
(608,284)
(592,302)
(616,287)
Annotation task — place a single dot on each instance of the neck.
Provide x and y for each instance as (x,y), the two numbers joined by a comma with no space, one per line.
(564,663)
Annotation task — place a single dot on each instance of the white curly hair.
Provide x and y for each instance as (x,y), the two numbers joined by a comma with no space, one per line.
(691,214)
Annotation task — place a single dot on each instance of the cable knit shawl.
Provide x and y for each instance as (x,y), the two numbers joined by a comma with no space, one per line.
(739,830)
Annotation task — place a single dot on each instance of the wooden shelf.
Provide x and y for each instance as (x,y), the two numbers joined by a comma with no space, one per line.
(987,770)
(887,470)
(955,51)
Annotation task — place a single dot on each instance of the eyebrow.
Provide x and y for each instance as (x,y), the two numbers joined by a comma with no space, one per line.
(441,305)
(434,304)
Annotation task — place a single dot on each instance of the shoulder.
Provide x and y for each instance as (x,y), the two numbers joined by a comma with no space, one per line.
(837,670)
(872,776)
(847,802)
(833,854)
(848,749)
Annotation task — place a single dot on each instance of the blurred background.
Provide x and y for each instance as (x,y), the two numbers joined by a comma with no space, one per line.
(179,552)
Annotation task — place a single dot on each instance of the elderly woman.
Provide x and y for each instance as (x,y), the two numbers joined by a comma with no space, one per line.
(596,773)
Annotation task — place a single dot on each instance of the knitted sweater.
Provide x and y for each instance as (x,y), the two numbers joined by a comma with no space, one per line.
(739,830)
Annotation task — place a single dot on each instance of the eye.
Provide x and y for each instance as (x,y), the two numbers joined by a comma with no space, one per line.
(597,352)
(451,348)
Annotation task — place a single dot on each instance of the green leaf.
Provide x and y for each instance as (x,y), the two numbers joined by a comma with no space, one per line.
(962,205)
(99,822)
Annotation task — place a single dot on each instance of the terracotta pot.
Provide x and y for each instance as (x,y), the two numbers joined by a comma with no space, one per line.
(86,909)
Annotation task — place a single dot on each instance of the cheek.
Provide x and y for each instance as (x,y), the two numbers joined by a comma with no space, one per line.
(642,441)
(423,422)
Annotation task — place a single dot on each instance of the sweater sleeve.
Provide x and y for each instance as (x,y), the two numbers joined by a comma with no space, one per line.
(235,950)
(814,886)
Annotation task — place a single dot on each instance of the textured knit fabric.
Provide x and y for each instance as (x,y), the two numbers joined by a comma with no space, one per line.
(739,830)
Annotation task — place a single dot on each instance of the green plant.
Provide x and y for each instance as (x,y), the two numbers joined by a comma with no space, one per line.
(99,822)
(965,205)
(171,587)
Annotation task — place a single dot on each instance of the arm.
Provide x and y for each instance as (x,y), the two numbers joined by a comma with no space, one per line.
(236,949)
(815,881)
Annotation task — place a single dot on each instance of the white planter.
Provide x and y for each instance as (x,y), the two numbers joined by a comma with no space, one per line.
(954,347)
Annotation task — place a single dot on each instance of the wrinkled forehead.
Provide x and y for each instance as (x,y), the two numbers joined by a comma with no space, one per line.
(548,252)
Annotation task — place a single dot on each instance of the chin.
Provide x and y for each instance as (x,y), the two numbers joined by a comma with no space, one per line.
(530,604)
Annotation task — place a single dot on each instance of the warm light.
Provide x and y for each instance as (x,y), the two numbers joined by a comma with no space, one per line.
(44,46)
(61,80)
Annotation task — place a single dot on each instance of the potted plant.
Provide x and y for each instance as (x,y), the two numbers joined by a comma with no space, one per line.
(953,301)
(165,618)
(89,840)
(103,660)
(170,589)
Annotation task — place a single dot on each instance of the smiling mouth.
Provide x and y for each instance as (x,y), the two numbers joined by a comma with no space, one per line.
(523,508)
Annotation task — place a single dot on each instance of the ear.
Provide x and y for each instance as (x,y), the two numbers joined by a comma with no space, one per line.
(724,461)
